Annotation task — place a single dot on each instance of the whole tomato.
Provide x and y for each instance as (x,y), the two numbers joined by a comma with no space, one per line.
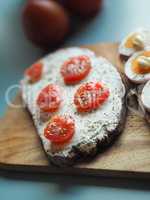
(84,8)
(45,22)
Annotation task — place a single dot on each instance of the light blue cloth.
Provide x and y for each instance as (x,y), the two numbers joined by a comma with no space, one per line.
(118,17)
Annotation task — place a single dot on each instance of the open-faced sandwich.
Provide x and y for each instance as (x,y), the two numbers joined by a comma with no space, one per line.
(77,102)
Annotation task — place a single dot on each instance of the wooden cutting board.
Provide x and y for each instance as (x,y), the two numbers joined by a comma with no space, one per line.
(20,147)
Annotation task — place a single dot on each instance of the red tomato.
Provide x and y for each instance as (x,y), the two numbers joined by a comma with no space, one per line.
(34,72)
(83,8)
(75,69)
(49,98)
(90,96)
(45,23)
(60,129)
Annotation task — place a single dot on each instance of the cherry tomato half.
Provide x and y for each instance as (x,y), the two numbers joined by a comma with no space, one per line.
(60,129)
(90,96)
(49,98)
(75,69)
(34,72)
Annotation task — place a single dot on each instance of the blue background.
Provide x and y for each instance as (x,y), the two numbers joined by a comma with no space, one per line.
(118,17)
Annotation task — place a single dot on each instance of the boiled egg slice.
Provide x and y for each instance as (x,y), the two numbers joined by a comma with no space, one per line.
(137,68)
(145,96)
(135,41)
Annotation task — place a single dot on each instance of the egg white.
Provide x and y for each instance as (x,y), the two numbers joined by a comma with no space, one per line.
(145,96)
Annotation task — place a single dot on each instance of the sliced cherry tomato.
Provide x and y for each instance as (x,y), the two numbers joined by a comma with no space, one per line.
(49,98)
(75,69)
(34,72)
(60,129)
(90,96)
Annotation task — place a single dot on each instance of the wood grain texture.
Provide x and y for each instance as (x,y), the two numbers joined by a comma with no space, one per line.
(20,147)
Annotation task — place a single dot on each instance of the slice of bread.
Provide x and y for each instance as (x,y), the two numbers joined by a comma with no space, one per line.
(95,130)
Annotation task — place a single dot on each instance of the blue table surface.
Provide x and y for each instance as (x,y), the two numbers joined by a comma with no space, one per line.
(118,17)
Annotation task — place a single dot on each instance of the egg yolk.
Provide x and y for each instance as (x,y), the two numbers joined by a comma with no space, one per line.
(129,42)
(135,41)
(141,68)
